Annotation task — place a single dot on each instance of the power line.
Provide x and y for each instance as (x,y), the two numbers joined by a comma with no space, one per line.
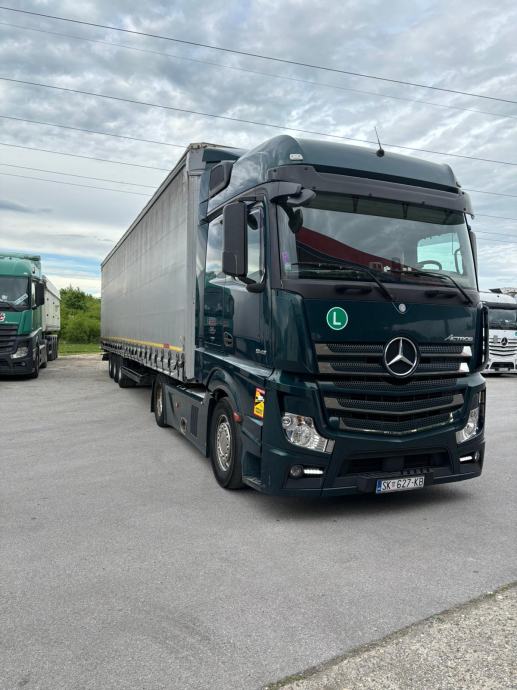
(506,235)
(489,239)
(74,184)
(484,215)
(89,158)
(90,131)
(482,191)
(258,55)
(85,177)
(249,122)
(263,74)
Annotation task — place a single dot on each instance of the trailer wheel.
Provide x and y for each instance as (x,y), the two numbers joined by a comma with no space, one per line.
(123,380)
(225,447)
(111,366)
(116,368)
(159,403)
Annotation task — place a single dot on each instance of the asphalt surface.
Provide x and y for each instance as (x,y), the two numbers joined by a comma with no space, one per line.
(124,565)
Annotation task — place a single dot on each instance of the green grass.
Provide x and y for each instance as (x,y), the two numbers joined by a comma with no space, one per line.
(77,348)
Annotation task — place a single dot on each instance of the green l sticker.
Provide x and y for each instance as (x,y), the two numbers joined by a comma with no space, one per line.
(337,318)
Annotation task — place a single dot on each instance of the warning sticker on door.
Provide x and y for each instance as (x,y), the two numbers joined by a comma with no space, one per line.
(258,405)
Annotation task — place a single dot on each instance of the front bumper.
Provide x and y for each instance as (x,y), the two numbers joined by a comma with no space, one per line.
(501,364)
(17,367)
(358,460)
(336,481)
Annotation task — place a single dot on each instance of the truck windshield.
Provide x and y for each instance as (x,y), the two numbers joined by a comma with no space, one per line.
(13,292)
(503,319)
(393,239)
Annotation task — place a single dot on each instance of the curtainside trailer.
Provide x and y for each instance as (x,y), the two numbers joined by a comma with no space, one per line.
(307,314)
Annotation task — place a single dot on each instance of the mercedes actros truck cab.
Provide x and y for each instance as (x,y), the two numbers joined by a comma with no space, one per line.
(29,316)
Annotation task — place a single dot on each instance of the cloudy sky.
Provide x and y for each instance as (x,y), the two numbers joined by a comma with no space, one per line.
(466,46)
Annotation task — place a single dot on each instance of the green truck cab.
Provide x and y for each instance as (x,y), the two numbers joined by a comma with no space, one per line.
(308,317)
(29,316)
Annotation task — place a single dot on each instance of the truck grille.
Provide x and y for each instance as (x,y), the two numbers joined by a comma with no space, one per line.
(7,338)
(509,349)
(360,393)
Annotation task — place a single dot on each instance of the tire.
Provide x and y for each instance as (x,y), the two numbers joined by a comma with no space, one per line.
(43,365)
(111,366)
(159,403)
(225,447)
(123,380)
(35,373)
(116,368)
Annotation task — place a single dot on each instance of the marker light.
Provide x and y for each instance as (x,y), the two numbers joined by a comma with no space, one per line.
(300,431)
(471,427)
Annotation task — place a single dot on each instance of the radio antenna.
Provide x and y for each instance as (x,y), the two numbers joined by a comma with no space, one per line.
(380,150)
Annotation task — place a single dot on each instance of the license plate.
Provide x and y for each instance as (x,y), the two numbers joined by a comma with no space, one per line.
(401,484)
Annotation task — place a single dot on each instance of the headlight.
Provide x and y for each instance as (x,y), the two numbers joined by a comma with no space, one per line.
(300,432)
(471,427)
(22,351)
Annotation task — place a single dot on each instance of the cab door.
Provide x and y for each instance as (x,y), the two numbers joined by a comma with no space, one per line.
(244,310)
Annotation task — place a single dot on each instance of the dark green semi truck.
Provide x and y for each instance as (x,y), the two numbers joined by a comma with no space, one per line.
(307,315)
(29,316)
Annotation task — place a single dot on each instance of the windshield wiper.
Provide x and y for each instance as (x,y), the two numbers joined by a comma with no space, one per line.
(342,266)
(421,272)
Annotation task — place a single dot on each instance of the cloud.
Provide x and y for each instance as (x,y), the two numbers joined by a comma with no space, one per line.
(427,44)
(6,205)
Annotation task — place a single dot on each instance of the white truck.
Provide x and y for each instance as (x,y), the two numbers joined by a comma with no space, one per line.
(502,320)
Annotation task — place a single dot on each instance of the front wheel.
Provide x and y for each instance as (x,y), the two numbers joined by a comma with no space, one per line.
(225,447)
(35,372)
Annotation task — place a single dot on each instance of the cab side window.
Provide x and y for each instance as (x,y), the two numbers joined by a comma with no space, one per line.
(214,251)
(256,243)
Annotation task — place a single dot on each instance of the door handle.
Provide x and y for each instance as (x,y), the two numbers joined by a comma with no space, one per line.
(228,339)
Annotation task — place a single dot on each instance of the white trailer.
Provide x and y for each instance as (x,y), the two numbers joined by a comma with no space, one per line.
(51,317)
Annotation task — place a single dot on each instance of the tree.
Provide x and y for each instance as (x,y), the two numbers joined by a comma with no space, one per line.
(73,299)
(80,316)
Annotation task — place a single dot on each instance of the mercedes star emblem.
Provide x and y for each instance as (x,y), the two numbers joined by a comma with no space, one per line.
(400,357)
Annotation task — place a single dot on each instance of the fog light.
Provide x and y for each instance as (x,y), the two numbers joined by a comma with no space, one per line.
(300,431)
(467,458)
(471,427)
(296,471)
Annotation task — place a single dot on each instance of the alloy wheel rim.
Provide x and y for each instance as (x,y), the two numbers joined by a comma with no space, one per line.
(223,443)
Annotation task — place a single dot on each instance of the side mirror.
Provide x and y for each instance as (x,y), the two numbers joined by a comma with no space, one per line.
(40,294)
(235,244)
